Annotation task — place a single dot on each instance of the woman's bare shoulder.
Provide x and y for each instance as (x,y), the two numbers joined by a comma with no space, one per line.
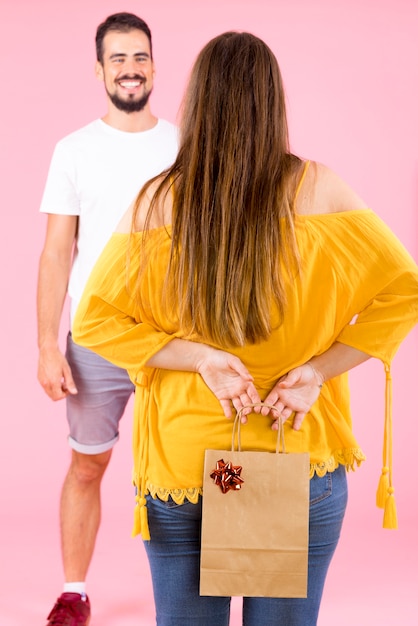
(324,191)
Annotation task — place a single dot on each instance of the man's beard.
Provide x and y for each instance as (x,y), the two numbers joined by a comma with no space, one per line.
(129,106)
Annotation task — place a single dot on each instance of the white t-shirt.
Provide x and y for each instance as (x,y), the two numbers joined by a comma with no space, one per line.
(95,173)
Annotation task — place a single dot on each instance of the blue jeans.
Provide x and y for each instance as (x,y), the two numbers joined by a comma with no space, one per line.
(174,555)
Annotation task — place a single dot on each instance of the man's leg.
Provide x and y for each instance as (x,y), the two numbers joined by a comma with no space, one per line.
(80,512)
(93,416)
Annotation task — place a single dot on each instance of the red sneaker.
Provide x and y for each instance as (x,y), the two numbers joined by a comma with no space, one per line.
(71,609)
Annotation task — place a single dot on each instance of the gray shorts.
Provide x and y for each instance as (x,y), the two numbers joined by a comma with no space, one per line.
(103,391)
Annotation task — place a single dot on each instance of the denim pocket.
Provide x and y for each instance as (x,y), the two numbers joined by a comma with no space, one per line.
(170,504)
(321,486)
(333,483)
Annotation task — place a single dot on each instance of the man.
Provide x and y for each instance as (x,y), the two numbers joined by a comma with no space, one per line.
(94,175)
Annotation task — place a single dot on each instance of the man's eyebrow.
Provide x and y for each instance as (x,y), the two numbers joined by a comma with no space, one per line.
(116,55)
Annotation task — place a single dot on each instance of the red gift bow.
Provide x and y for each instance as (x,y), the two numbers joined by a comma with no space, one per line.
(227,476)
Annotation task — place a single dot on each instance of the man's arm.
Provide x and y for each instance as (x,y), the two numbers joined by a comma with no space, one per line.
(54,373)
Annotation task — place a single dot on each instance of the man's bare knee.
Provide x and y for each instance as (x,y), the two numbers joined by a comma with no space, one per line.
(87,468)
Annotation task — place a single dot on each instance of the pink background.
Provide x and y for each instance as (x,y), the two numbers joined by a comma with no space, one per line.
(351,73)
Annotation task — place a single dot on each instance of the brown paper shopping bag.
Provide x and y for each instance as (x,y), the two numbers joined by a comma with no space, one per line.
(255,517)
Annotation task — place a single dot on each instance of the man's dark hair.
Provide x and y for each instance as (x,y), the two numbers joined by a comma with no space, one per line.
(120,22)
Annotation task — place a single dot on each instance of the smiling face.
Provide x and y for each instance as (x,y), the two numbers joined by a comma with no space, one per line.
(127,70)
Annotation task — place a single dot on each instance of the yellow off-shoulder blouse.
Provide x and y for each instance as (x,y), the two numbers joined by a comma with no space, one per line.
(357,285)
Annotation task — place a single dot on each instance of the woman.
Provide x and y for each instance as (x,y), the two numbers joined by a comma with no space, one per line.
(249,275)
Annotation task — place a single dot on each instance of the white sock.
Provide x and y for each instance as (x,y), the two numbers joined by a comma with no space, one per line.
(78,587)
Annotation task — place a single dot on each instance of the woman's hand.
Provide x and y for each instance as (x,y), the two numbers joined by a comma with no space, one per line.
(229,380)
(295,392)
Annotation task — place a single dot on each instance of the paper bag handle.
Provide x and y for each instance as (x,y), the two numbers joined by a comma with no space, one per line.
(236,429)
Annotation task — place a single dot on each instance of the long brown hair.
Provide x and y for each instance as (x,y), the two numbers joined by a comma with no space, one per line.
(232,220)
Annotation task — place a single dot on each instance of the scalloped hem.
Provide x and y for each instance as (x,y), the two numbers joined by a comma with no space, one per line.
(178,495)
(351,459)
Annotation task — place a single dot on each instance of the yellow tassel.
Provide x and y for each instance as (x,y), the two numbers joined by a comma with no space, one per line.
(382,489)
(384,496)
(390,517)
(141,519)
(137,522)
(144,520)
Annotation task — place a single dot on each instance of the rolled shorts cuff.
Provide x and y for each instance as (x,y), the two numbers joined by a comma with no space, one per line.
(98,448)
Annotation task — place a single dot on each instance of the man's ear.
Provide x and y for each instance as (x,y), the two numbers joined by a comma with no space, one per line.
(98,70)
